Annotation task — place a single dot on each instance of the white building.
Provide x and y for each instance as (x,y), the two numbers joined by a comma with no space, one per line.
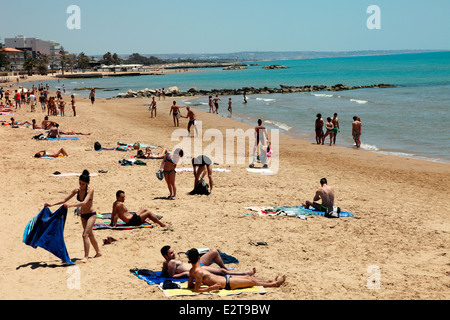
(34,45)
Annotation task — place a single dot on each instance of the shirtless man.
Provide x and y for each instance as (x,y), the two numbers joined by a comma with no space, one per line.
(54,132)
(176,268)
(192,121)
(326,193)
(175,110)
(152,107)
(356,131)
(216,103)
(47,124)
(260,139)
(136,219)
(210,105)
(336,128)
(230,109)
(318,128)
(198,276)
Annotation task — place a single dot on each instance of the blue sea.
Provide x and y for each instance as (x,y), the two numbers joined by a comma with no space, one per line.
(408,120)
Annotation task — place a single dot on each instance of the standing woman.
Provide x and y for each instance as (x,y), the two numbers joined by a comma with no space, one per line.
(85,197)
(168,165)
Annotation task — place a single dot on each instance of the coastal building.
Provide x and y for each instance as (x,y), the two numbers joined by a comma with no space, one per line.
(14,57)
(120,67)
(35,46)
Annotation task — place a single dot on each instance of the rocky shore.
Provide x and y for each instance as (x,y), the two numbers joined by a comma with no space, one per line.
(174,92)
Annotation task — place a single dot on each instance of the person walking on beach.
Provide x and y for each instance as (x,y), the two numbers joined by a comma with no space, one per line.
(92,96)
(152,107)
(85,198)
(230,110)
(216,103)
(261,139)
(336,128)
(168,165)
(175,111)
(356,131)
(324,193)
(319,128)
(192,121)
(131,219)
(329,126)
(73,105)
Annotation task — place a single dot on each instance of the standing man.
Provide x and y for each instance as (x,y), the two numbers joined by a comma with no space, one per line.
(192,121)
(92,96)
(356,131)
(319,128)
(261,139)
(324,193)
(336,128)
(216,103)
(230,110)
(152,107)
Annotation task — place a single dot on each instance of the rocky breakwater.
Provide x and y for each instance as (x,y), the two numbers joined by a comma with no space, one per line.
(174,92)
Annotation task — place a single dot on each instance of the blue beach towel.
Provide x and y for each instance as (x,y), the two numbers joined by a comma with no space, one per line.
(154,277)
(46,230)
(293,211)
(63,138)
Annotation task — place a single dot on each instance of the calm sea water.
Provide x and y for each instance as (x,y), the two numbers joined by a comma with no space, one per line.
(408,120)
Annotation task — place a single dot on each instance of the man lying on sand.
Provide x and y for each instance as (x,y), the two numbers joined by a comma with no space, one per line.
(56,132)
(176,268)
(136,219)
(198,276)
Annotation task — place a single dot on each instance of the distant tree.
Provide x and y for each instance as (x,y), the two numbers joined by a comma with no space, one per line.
(42,64)
(29,63)
(115,59)
(3,60)
(83,61)
(107,59)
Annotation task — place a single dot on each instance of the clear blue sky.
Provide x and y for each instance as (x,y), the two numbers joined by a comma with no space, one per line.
(211,26)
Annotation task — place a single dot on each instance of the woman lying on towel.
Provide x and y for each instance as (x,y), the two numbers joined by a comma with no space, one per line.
(60,153)
(149,155)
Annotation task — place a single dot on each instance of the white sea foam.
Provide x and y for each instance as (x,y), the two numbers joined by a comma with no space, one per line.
(323,95)
(359,101)
(280,125)
(369,147)
(265,99)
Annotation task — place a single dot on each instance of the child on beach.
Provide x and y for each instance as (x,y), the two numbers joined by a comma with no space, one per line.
(85,197)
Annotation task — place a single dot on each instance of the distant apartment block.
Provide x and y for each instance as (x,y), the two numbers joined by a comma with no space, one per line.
(35,46)
(14,57)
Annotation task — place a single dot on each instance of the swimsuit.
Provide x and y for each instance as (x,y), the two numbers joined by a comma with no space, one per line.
(135,220)
(227,278)
(85,216)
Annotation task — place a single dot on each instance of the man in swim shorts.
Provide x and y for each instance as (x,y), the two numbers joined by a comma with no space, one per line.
(198,276)
(131,219)
(326,193)
(319,128)
(336,128)
(192,121)
(356,131)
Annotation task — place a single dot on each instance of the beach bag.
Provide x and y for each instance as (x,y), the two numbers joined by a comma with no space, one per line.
(136,146)
(97,146)
(333,212)
(39,137)
(159,175)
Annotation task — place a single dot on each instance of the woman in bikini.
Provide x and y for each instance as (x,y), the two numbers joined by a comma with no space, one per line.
(168,166)
(60,153)
(85,197)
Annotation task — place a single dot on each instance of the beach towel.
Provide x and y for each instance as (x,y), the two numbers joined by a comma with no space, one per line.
(46,230)
(185,291)
(192,170)
(72,174)
(262,170)
(131,145)
(155,277)
(120,226)
(62,138)
(291,211)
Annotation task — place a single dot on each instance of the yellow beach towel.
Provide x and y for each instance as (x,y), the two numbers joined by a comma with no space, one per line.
(185,291)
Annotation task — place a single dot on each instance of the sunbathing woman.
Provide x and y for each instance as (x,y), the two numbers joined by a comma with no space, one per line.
(60,153)
(169,164)
(149,155)
(85,197)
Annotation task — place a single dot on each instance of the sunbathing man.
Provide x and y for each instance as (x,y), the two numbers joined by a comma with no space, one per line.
(176,268)
(326,193)
(136,219)
(56,154)
(16,124)
(47,124)
(198,276)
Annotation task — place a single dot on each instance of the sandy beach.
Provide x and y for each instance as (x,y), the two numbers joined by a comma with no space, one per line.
(400,205)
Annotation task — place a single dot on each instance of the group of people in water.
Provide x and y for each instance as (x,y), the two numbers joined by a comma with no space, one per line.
(332,129)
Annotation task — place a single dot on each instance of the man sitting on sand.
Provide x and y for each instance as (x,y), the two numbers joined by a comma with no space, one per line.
(136,219)
(198,276)
(326,193)
(176,268)
(47,124)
